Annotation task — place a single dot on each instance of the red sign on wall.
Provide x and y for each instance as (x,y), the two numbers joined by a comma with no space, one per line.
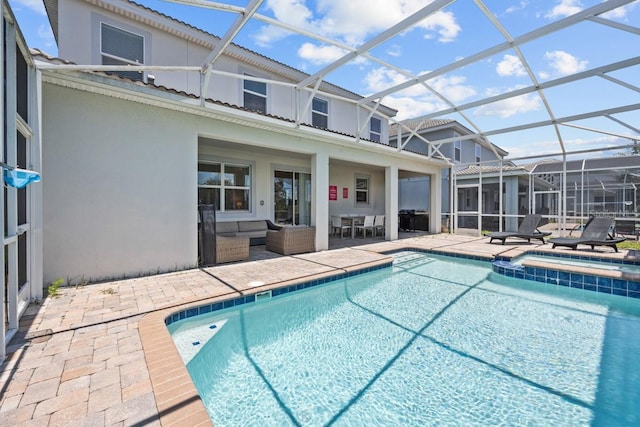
(333,192)
(345,193)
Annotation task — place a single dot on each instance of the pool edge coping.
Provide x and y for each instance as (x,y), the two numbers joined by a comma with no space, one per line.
(177,400)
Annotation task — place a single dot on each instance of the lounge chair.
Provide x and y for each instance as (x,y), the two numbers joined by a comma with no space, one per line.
(595,233)
(528,230)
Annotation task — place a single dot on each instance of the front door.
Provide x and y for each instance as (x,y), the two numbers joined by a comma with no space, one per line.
(292,197)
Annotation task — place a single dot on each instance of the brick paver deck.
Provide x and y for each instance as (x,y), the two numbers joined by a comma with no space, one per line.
(87,358)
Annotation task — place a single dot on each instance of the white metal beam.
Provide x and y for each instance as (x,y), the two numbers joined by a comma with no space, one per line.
(224,42)
(379,39)
(525,38)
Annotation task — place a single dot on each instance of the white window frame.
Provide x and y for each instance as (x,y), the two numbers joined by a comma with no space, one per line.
(478,153)
(365,191)
(264,95)
(119,58)
(457,149)
(315,113)
(222,187)
(373,134)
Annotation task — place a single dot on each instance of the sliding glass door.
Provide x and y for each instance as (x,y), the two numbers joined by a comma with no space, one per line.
(292,197)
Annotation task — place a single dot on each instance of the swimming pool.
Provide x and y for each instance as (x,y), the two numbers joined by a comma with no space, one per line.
(431,341)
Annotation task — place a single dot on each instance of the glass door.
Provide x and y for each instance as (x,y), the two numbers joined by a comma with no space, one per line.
(292,198)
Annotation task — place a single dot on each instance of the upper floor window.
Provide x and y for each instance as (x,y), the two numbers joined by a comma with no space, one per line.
(478,152)
(255,95)
(362,190)
(226,185)
(457,150)
(120,47)
(320,113)
(375,129)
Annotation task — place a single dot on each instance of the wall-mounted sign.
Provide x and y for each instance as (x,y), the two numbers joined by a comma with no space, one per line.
(345,193)
(333,192)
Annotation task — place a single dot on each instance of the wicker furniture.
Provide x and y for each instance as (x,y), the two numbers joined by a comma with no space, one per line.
(291,240)
(255,230)
(229,249)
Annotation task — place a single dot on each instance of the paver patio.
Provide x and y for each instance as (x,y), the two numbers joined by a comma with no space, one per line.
(78,359)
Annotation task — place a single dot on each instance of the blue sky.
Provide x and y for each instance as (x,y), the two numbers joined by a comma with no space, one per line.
(455,32)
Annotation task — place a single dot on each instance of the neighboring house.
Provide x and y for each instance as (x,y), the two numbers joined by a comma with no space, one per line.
(127,157)
(444,138)
(596,186)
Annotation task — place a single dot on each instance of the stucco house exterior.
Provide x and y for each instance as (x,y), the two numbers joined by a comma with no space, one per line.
(126,154)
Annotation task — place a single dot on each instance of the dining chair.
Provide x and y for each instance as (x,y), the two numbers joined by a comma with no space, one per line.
(378,224)
(338,226)
(366,225)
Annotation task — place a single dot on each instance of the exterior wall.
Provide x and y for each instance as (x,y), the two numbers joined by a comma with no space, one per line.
(120,180)
(344,176)
(116,181)
(79,41)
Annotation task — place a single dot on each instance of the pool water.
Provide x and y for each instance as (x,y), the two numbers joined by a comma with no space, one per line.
(431,341)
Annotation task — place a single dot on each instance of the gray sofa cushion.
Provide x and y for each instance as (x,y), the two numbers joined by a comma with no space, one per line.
(227,227)
(260,225)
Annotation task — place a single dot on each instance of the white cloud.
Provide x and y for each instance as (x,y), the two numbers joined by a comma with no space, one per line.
(565,8)
(417,100)
(395,50)
(46,35)
(562,64)
(34,5)
(509,107)
(409,107)
(522,5)
(352,22)
(510,66)
(618,13)
(320,55)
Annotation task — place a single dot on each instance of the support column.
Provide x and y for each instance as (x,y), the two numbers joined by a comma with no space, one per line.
(435,204)
(511,203)
(320,199)
(391,202)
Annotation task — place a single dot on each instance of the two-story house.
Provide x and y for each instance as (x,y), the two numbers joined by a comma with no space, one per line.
(145,117)
(446,138)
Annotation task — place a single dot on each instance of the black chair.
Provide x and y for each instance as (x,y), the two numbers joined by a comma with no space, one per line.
(528,230)
(595,233)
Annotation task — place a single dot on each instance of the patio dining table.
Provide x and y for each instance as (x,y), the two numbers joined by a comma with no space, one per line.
(353,220)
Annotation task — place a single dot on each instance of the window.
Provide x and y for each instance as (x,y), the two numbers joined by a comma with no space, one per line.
(255,95)
(478,152)
(120,47)
(362,190)
(457,150)
(375,129)
(320,113)
(228,186)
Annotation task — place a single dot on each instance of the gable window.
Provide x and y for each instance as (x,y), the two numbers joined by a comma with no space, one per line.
(362,190)
(226,185)
(375,129)
(320,113)
(457,150)
(478,152)
(255,95)
(120,47)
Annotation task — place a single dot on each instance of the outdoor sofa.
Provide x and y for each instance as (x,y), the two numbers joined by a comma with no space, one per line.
(255,230)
